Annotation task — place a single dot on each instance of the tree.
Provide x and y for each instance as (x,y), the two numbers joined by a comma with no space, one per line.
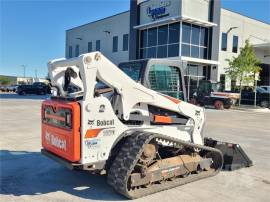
(4,81)
(244,67)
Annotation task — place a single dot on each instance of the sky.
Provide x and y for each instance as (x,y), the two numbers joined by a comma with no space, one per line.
(32,32)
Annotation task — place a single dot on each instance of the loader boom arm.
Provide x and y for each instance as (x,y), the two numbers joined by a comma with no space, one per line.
(92,66)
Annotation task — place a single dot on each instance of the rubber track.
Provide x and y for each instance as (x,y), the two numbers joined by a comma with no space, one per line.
(128,156)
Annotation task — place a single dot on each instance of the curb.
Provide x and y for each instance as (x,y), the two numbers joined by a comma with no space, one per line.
(262,110)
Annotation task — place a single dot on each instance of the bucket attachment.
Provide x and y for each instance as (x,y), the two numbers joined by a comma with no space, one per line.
(233,155)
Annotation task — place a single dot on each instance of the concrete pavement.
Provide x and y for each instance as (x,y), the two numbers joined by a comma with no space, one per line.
(26,175)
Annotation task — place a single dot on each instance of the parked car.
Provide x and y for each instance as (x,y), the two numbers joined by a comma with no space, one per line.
(3,88)
(262,97)
(38,88)
(12,88)
(266,88)
(43,85)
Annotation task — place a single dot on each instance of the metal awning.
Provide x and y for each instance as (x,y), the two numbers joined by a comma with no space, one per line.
(199,61)
(175,19)
(198,21)
(262,47)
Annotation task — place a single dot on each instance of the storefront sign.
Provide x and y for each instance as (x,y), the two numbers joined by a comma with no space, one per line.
(159,11)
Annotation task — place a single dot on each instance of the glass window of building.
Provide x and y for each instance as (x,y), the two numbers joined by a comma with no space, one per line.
(162,51)
(125,42)
(77,50)
(224,42)
(203,46)
(195,35)
(97,45)
(195,51)
(186,33)
(174,32)
(143,40)
(163,35)
(143,53)
(204,36)
(152,37)
(151,52)
(185,50)
(160,42)
(235,44)
(194,41)
(115,44)
(70,51)
(173,50)
(90,49)
(203,53)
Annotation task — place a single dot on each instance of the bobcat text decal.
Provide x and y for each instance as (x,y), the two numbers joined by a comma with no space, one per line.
(105,122)
(55,141)
(101,122)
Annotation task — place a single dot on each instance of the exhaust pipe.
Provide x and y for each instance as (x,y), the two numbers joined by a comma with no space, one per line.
(233,155)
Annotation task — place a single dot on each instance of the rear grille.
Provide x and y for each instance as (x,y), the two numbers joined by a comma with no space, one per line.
(60,117)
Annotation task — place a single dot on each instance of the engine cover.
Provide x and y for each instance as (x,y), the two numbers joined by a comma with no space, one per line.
(61,129)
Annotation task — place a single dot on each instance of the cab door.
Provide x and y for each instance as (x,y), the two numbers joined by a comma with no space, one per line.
(166,77)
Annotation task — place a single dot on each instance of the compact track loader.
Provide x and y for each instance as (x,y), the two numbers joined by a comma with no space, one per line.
(144,140)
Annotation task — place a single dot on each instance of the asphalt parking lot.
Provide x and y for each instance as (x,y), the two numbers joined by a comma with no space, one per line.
(26,175)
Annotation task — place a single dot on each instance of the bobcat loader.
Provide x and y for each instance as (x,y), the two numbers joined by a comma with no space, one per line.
(145,141)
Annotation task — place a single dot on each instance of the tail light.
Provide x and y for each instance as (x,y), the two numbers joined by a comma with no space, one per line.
(60,117)
(68,119)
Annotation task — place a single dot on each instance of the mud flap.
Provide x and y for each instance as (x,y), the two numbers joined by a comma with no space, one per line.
(234,156)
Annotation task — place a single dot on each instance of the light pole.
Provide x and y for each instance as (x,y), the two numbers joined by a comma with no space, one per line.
(231,28)
(24,68)
(256,77)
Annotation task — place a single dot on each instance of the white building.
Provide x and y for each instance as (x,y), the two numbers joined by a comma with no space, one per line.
(99,35)
(240,28)
(14,80)
(198,31)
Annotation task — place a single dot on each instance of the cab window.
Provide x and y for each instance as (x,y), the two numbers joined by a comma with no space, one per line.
(166,79)
(133,69)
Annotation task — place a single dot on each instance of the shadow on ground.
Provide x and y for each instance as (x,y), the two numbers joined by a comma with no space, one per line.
(30,173)
(23,97)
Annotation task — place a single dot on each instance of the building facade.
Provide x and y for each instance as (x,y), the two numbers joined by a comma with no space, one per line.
(15,80)
(101,36)
(199,32)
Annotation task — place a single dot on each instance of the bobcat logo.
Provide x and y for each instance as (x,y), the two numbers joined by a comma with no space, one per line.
(91,122)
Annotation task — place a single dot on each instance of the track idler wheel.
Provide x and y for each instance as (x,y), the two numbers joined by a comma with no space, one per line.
(149,153)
